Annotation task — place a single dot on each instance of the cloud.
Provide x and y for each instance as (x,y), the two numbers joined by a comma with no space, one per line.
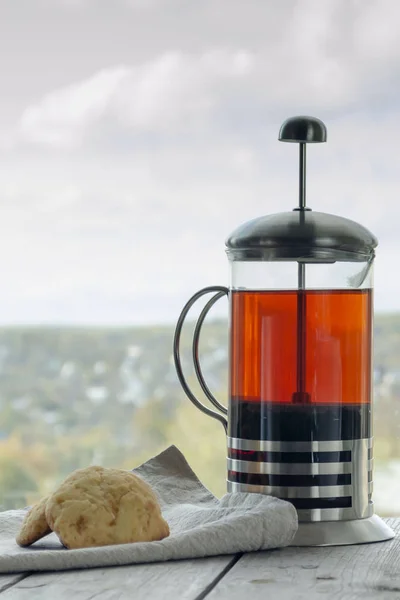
(114,241)
(329,57)
(62,117)
(166,93)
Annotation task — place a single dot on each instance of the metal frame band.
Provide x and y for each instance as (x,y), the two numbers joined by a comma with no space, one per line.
(359,487)
(334,514)
(276,468)
(311,446)
(327,491)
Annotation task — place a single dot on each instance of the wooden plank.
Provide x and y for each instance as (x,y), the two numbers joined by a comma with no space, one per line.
(370,571)
(186,580)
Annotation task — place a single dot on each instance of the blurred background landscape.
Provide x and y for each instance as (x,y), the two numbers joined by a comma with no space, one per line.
(71,397)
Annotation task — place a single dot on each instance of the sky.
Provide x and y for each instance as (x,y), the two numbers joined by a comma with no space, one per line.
(135,135)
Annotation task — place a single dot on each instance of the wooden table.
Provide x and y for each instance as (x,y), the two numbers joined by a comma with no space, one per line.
(369,571)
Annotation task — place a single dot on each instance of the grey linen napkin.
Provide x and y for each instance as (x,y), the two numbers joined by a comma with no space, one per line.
(200,524)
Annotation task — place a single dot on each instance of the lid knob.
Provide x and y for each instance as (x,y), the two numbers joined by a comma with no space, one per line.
(306,130)
(302,130)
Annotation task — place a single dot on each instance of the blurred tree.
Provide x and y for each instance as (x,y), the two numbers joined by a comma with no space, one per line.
(201,439)
(16,483)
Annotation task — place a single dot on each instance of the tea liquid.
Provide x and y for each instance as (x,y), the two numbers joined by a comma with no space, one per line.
(263,365)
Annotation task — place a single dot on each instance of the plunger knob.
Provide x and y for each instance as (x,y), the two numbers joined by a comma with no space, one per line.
(303,130)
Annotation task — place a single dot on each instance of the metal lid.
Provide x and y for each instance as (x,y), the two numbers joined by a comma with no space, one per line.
(302,235)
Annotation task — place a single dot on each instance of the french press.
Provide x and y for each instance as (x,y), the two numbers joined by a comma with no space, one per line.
(299,417)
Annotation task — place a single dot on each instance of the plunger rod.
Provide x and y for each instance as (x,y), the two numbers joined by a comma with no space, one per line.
(302,176)
(301,396)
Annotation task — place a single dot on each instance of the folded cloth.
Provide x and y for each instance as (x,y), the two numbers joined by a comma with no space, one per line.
(201,525)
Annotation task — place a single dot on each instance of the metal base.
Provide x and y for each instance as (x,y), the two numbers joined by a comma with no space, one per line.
(342,533)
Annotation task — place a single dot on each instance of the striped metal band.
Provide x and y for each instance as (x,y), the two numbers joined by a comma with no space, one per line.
(277,468)
(328,491)
(327,481)
(335,514)
(311,446)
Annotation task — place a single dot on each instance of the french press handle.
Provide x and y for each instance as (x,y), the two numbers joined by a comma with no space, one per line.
(220,292)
